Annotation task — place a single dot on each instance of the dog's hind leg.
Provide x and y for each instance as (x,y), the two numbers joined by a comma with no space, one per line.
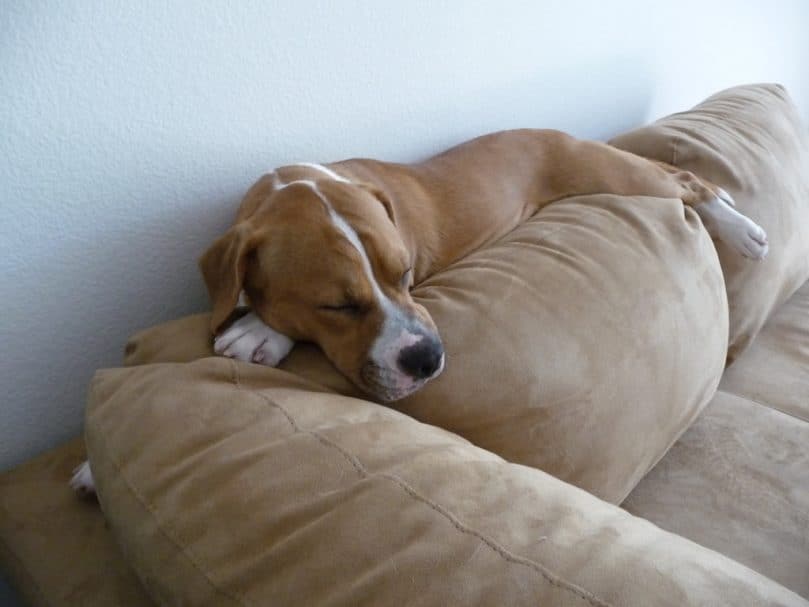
(717,210)
(608,169)
(728,225)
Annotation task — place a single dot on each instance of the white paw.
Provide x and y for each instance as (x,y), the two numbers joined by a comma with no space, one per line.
(754,242)
(738,231)
(746,237)
(82,481)
(723,194)
(249,339)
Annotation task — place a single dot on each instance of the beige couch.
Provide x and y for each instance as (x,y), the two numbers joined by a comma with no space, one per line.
(538,469)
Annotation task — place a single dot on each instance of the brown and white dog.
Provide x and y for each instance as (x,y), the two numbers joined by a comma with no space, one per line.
(328,253)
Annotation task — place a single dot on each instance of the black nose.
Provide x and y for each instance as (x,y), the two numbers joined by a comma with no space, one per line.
(421,360)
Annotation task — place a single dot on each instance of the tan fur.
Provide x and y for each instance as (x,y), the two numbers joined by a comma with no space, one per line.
(285,253)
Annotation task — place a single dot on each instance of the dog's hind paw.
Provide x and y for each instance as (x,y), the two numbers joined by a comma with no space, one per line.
(724,196)
(755,245)
(82,482)
(745,236)
(738,231)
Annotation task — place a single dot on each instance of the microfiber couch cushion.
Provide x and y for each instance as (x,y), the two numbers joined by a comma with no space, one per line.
(583,343)
(751,141)
(233,484)
(56,549)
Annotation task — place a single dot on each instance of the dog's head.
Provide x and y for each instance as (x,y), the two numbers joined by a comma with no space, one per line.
(323,262)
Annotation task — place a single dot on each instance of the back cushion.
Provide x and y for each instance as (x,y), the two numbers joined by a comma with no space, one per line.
(750,140)
(583,343)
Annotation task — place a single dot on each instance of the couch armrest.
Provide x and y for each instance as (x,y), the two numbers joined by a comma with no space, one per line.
(228,483)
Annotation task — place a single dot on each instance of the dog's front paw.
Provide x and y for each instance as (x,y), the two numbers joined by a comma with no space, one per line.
(82,482)
(250,340)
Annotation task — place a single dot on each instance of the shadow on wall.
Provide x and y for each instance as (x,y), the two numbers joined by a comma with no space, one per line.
(134,272)
(583,102)
(593,100)
(141,270)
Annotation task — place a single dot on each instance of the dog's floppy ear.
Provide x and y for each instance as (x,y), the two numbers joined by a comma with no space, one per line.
(382,197)
(223,267)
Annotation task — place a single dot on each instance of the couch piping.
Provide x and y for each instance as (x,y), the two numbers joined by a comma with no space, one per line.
(402,484)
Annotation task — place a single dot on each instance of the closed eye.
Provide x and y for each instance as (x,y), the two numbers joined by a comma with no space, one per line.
(349,308)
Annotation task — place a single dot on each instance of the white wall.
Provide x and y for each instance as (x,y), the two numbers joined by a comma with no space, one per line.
(129,131)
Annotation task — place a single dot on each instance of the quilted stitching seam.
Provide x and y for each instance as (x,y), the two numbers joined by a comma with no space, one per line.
(507,555)
(163,529)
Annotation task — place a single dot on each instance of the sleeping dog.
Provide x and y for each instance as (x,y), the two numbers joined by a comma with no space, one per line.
(328,253)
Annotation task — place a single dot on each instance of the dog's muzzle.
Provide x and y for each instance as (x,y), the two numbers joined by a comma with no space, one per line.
(397,376)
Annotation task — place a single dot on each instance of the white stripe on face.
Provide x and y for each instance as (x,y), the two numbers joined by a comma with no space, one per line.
(341,224)
(347,231)
(395,334)
(322,169)
(306,182)
(388,307)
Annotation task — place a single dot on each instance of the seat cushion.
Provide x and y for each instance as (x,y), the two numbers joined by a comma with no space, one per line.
(583,343)
(738,479)
(775,370)
(234,484)
(56,548)
(751,141)
(737,482)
